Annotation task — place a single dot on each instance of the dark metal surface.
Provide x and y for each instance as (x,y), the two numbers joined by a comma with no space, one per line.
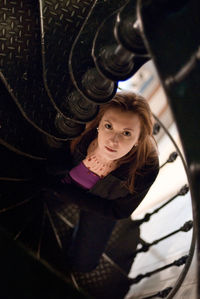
(16,133)
(181,261)
(81,61)
(21,60)
(121,52)
(60,23)
(170,33)
(127,31)
(23,67)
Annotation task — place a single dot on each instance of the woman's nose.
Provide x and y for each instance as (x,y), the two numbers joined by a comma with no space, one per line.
(114,138)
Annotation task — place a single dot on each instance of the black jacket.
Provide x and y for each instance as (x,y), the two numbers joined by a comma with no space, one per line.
(108,197)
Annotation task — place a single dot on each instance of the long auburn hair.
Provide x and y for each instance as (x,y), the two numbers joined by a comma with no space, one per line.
(145,152)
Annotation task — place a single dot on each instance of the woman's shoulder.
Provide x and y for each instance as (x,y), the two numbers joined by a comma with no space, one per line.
(151,165)
(147,174)
(152,162)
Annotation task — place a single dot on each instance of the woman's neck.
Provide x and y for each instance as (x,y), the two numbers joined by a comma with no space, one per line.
(96,162)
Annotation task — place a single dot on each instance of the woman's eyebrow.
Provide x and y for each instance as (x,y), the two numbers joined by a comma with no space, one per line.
(129,129)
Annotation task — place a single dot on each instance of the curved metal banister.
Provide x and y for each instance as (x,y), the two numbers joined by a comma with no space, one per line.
(175,20)
(193,241)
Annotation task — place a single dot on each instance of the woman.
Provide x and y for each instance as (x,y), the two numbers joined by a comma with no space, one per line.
(114,163)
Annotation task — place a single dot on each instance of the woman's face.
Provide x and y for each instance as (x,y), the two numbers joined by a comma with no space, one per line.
(118,132)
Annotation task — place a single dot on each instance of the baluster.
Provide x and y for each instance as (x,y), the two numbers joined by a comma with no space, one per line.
(161,294)
(172,158)
(176,263)
(145,245)
(147,217)
(156,128)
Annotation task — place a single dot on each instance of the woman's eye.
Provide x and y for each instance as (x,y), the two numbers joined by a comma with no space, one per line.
(108,126)
(126,133)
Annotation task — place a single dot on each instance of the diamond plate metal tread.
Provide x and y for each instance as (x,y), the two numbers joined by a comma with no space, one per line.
(105,281)
(80,56)
(21,64)
(60,23)
(71,213)
(16,133)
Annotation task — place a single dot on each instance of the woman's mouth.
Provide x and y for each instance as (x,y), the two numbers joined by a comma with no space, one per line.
(110,149)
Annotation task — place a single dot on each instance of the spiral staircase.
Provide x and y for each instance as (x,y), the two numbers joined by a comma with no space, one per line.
(59,61)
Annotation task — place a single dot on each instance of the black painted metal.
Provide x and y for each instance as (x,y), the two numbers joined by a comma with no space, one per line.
(127,31)
(177,263)
(147,216)
(161,294)
(146,245)
(21,60)
(16,133)
(184,272)
(156,128)
(172,158)
(179,78)
(60,23)
(81,61)
(114,57)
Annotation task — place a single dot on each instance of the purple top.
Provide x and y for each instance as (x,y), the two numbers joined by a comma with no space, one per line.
(83,176)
